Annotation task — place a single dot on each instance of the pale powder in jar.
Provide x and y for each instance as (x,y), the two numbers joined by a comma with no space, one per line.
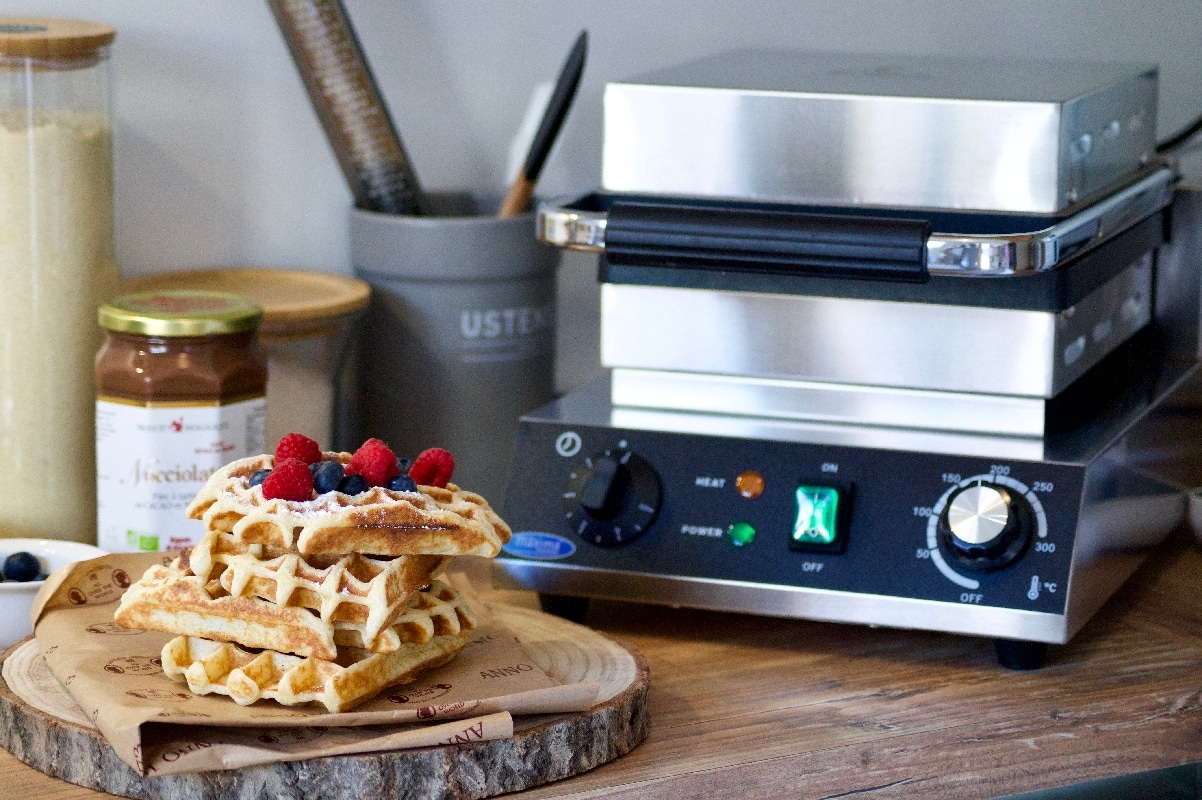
(56,265)
(300,389)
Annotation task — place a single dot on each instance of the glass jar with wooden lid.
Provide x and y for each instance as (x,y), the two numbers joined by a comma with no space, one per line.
(57,264)
(307,335)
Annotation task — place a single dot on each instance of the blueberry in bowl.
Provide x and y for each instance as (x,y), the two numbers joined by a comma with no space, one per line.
(24,565)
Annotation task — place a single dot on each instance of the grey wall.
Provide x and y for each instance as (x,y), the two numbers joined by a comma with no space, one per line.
(458,74)
(221,162)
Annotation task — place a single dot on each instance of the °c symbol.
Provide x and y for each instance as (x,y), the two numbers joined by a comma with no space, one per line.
(568,444)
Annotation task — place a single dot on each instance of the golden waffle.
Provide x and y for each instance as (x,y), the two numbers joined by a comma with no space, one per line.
(171,600)
(350,588)
(221,668)
(427,614)
(432,520)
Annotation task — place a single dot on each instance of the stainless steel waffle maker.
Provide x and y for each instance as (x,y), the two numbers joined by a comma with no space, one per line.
(891,342)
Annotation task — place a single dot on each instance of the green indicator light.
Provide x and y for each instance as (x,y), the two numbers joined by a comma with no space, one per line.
(741,534)
(817,510)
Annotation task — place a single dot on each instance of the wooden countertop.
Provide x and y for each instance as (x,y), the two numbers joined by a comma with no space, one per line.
(753,707)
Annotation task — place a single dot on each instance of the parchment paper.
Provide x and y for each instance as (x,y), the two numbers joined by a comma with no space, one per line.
(159,727)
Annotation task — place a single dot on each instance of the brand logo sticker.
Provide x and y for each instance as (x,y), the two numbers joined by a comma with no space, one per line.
(541,546)
(134,665)
(111,628)
(102,584)
(421,694)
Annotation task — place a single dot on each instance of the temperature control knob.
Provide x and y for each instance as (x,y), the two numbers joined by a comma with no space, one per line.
(612,498)
(985,526)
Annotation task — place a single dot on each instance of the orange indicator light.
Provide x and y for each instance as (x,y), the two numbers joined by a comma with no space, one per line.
(750,484)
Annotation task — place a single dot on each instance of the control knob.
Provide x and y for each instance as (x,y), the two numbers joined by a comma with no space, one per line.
(985,526)
(612,498)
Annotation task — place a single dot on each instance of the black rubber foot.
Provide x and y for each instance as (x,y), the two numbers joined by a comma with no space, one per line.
(574,609)
(1013,654)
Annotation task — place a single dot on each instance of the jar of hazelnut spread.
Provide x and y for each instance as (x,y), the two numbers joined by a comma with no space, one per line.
(181,391)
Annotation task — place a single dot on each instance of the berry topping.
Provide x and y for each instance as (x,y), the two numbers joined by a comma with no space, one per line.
(326,475)
(353,484)
(403,465)
(295,445)
(290,480)
(401,483)
(22,567)
(258,476)
(375,461)
(433,467)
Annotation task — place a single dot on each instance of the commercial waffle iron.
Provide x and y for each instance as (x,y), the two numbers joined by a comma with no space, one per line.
(890,342)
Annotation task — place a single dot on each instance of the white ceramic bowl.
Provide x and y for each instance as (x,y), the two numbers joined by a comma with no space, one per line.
(16,597)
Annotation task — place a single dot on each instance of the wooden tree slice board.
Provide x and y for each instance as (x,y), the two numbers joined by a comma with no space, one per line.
(42,726)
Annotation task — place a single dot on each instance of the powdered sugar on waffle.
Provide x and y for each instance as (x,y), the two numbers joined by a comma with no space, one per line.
(432,520)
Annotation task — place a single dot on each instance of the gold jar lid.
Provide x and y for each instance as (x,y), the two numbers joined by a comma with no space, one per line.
(180,313)
(49,39)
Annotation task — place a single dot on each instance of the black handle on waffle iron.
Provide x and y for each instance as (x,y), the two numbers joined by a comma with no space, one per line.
(766,241)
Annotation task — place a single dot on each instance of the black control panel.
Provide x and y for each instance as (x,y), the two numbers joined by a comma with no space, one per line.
(977,530)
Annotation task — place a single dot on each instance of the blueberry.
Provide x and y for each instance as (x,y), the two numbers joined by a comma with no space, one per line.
(258,476)
(22,567)
(402,483)
(326,475)
(403,465)
(353,484)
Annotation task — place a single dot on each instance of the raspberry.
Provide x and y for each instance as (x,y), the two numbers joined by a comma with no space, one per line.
(295,445)
(433,467)
(290,479)
(375,461)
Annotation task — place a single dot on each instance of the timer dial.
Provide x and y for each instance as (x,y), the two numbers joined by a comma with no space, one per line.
(985,526)
(612,498)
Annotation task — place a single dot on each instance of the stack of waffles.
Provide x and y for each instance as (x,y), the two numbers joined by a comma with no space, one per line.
(326,600)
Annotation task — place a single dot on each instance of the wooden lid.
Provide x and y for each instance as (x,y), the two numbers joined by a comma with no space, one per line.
(51,39)
(294,302)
